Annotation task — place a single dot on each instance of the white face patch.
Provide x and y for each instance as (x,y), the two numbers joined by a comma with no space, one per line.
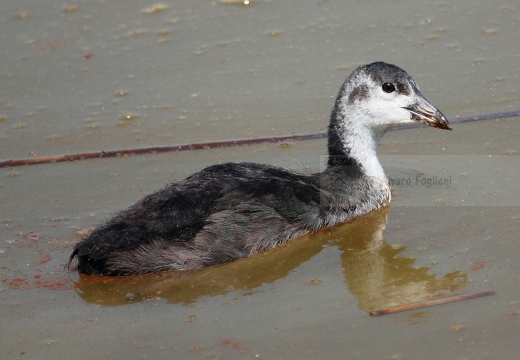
(382,109)
(373,99)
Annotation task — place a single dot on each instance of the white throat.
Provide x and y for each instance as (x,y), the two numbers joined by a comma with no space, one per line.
(360,143)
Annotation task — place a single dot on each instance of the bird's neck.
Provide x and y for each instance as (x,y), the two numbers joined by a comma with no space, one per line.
(352,144)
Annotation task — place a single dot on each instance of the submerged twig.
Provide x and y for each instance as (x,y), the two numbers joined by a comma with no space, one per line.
(217,144)
(158,149)
(423,304)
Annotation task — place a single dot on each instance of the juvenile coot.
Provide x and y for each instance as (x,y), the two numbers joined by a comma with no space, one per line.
(234,210)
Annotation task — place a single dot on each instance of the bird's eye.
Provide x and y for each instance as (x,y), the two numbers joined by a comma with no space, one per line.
(388,87)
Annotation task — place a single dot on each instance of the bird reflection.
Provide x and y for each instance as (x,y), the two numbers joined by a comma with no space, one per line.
(373,271)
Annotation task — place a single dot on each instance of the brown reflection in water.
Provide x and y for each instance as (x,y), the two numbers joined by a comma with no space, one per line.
(377,276)
(374,273)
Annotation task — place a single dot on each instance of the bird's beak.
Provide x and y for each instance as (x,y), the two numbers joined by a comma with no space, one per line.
(423,111)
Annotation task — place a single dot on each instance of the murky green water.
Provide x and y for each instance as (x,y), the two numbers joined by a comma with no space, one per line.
(101,75)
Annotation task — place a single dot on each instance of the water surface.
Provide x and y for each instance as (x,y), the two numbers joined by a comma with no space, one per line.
(102,75)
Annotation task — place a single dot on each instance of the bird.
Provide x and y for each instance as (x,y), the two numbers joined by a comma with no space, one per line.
(234,210)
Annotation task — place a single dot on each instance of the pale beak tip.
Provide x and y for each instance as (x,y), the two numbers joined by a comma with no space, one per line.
(443,124)
(428,115)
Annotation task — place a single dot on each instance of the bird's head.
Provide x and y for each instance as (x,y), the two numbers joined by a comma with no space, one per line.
(381,96)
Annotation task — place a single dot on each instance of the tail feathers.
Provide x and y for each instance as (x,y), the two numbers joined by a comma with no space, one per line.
(72,256)
(86,265)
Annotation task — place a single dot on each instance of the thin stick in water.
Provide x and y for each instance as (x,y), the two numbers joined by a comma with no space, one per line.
(423,304)
(217,144)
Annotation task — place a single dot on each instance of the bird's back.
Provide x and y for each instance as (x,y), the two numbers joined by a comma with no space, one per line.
(222,213)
